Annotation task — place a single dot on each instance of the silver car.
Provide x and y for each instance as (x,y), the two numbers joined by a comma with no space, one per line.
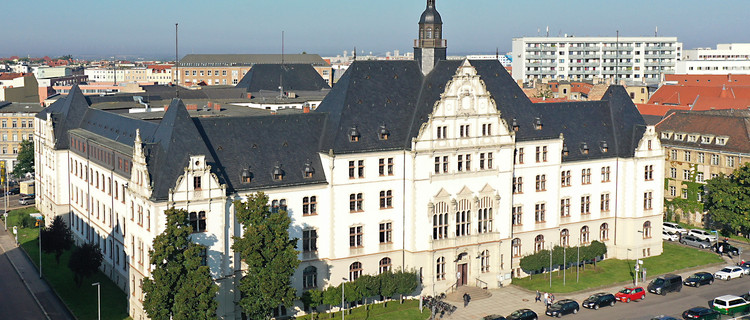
(694,241)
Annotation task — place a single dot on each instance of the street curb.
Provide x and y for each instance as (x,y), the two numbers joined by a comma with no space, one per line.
(599,288)
(26,284)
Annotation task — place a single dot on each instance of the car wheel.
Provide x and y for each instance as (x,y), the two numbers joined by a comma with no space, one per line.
(643,297)
(626,301)
(711,282)
(678,289)
(534,318)
(612,304)
(740,275)
(663,292)
(558,315)
(575,310)
(596,307)
(697,284)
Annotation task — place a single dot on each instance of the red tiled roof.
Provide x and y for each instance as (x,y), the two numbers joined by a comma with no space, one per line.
(736,127)
(686,95)
(159,66)
(708,103)
(12,75)
(709,80)
(657,110)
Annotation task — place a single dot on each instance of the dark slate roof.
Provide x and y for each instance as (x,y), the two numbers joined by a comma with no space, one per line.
(430,14)
(20,107)
(66,114)
(293,77)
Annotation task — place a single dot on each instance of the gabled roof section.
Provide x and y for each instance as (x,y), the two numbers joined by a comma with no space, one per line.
(369,95)
(67,114)
(733,124)
(291,77)
(628,124)
(432,87)
(288,141)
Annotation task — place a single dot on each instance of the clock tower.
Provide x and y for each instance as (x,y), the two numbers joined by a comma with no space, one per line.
(430,47)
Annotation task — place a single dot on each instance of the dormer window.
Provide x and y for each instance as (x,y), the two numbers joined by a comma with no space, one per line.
(721,140)
(693,138)
(666,135)
(537,124)
(278,173)
(565,150)
(383,133)
(514,125)
(604,146)
(246,176)
(584,148)
(705,139)
(309,171)
(353,134)
(679,136)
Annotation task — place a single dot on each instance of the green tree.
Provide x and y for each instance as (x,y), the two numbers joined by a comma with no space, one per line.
(270,255)
(368,285)
(388,285)
(406,283)
(57,238)
(332,296)
(312,299)
(85,262)
(728,201)
(180,287)
(25,159)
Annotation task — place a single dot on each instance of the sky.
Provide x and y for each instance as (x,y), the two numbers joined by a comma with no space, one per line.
(97,28)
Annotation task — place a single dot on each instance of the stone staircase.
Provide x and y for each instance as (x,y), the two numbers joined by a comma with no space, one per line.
(475,293)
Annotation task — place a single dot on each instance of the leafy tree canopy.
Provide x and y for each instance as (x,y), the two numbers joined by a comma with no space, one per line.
(728,201)
(25,159)
(85,262)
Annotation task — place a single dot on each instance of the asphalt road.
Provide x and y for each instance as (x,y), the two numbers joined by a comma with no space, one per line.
(674,303)
(15,300)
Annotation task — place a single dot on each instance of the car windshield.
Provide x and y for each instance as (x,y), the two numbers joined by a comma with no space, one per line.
(659,281)
(626,291)
(594,296)
(726,270)
(516,313)
(558,304)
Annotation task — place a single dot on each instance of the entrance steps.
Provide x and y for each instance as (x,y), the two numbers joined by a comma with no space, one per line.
(475,293)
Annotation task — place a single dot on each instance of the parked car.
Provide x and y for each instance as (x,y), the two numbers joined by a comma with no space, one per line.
(694,241)
(673,228)
(728,273)
(668,236)
(703,235)
(562,307)
(523,314)
(26,201)
(666,283)
(631,293)
(493,317)
(698,279)
(14,191)
(663,317)
(729,304)
(745,266)
(701,313)
(599,300)
(727,248)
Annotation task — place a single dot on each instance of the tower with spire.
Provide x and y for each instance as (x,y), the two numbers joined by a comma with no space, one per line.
(430,47)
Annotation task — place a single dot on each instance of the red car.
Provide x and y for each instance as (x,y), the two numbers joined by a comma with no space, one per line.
(631,293)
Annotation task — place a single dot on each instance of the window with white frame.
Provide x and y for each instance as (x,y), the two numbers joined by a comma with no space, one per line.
(440,221)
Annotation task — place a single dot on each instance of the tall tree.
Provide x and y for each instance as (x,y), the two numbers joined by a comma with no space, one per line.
(25,159)
(270,255)
(180,286)
(728,201)
(85,262)
(57,238)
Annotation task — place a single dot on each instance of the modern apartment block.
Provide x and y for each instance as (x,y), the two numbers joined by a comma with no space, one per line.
(727,58)
(576,58)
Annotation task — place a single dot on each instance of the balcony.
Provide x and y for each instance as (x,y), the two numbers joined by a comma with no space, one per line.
(473,239)
(541,72)
(541,64)
(618,48)
(542,56)
(670,48)
(663,56)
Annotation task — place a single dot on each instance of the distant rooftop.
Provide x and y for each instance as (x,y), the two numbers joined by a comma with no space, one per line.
(195,60)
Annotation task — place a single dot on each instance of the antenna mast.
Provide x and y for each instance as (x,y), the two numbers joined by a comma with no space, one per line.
(176,63)
(617,58)
(281,73)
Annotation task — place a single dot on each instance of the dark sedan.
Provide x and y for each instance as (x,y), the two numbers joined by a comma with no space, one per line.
(698,279)
(599,300)
(727,248)
(493,317)
(562,307)
(523,314)
(701,313)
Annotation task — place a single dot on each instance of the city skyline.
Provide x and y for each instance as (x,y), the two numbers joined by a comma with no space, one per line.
(328,28)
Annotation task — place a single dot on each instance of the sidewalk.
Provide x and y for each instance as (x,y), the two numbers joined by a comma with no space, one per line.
(45,298)
(506,300)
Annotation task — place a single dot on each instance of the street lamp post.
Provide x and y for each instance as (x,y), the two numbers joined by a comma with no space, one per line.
(40,248)
(343,286)
(98,299)
(550,264)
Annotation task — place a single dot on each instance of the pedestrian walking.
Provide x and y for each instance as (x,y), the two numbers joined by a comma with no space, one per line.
(551,298)
(538,297)
(467,298)
(546,299)
(721,249)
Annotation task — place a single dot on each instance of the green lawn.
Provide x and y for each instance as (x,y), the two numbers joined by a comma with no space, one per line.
(611,271)
(409,310)
(80,300)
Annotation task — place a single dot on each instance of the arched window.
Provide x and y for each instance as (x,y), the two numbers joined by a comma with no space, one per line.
(429,33)
(310,277)
(355,270)
(604,232)
(437,33)
(585,237)
(440,221)
(384,265)
(463,218)
(565,237)
(484,215)
(440,269)
(539,243)
(516,245)
(647,229)
(485,261)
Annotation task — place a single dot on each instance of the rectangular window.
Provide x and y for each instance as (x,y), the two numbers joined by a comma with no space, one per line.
(585,176)
(699,177)
(355,202)
(648,174)
(604,203)
(687,156)
(565,178)
(309,205)
(565,207)
(309,240)
(520,155)
(672,191)
(541,182)
(701,157)
(673,154)
(382,169)
(197,221)
(586,205)
(487,129)
(647,200)
(517,184)
(538,154)
(390,167)
(489,160)
(685,174)
(673,173)
(684,193)
(460,163)
(351,169)
(386,199)
(715,159)
(442,132)
(197,183)
(544,154)
(361,168)
(539,212)
(355,237)
(464,131)
(517,215)
(386,229)
(730,162)
(605,174)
